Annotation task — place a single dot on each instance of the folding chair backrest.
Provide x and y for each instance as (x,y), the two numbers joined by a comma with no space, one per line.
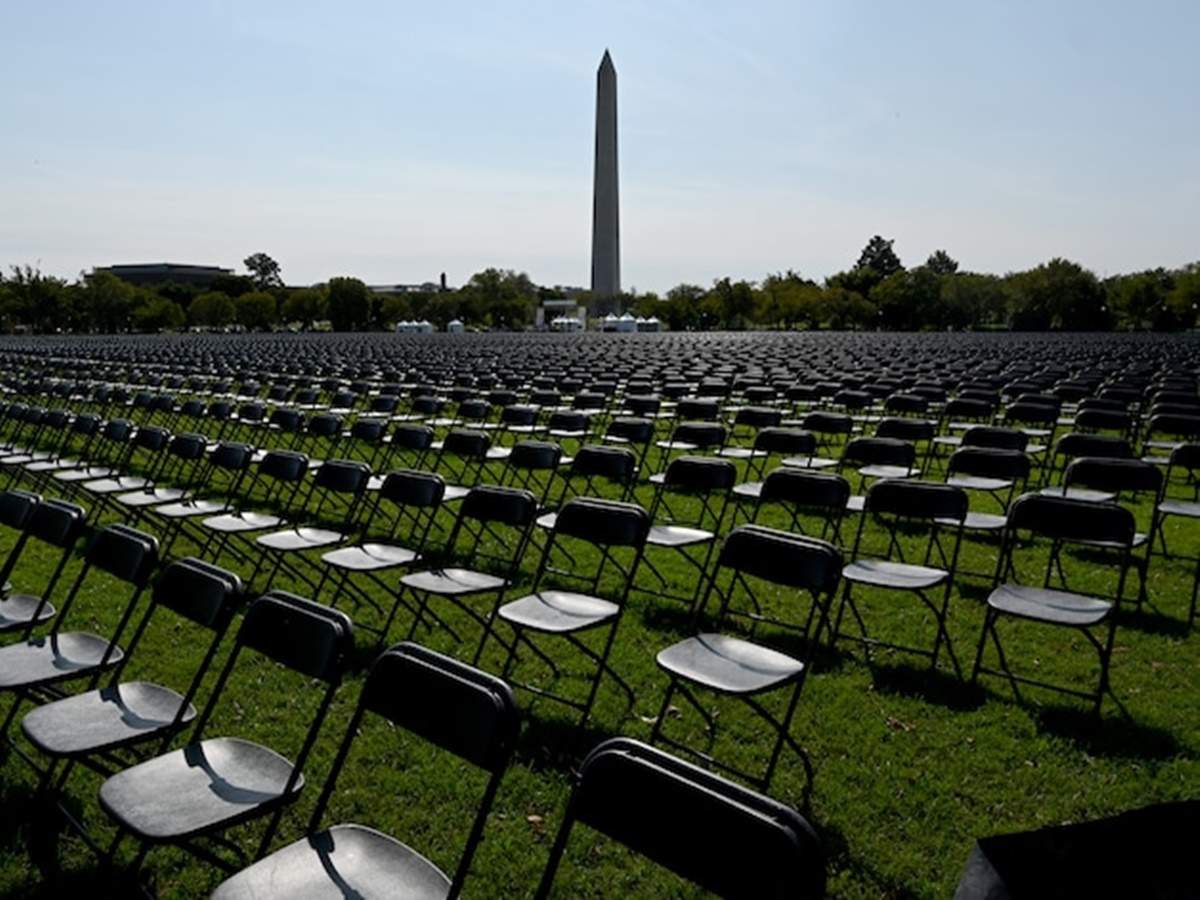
(302,635)
(606,523)
(535,455)
(409,436)
(17,509)
(126,554)
(917,499)
(631,428)
(875,451)
(717,834)
(702,434)
(613,463)
(782,558)
(232,456)
(906,429)
(758,416)
(152,438)
(57,523)
(199,591)
(324,426)
(988,462)
(997,438)
(1064,518)
(408,487)
(796,441)
(811,489)
(1186,456)
(467,442)
(507,506)
(1075,445)
(284,465)
(700,474)
(342,476)
(1115,475)
(448,703)
(188,446)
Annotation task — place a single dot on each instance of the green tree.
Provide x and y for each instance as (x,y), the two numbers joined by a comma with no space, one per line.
(879,256)
(1184,297)
(941,263)
(107,302)
(908,300)
(154,313)
(232,285)
(1058,295)
(306,306)
(849,310)
(500,298)
(733,302)
(213,309)
(256,310)
(1139,301)
(393,309)
(972,300)
(37,300)
(264,271)
(349,304)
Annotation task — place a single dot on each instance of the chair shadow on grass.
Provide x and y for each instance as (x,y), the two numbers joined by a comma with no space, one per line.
(1151,620)
(935,686)
(1111,736)
(557,744)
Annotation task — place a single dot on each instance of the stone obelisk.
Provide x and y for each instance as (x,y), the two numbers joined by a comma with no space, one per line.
(606,236)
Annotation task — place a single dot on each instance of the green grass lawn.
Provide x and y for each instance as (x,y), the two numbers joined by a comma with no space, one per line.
(911,767)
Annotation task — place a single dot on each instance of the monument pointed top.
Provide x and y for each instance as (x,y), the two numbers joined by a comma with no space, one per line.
(606,60)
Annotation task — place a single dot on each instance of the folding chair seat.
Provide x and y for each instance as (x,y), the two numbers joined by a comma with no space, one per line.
(521,419)
(569,425)
(914,431)
(999,438)
(184,796)
(327,516)
(367,436)
(51,522)
(1060,521)
(1166,431)
(456,708)
(52,434)
(805,493)
(736,667)
(962,414)
(611,530)
(1099,420)
(753,419)
(321,438)
(909,513)
(997,473)
(492,529)
(89,727)
(704,486)
(33,668)
(631,431)
(219,481)
(716,834)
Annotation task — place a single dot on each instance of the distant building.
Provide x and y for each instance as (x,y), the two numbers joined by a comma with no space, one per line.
(391,290)
(162,273)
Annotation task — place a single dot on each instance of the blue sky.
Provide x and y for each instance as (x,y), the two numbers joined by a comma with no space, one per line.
(394,140)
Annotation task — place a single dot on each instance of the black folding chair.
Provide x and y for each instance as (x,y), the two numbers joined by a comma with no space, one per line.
(458,709)
(330,512)
(51,522)
(805,494)
(407,502)
(751,558)
(998,473)
(608,528)
(719,835)
(1186,459)
(916,513)
(106,729)
(492,530)
(687,512)
(280,475)
(1060,521)
(214,783)
(34,668)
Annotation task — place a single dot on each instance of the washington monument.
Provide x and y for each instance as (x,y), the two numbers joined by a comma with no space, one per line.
(606,232)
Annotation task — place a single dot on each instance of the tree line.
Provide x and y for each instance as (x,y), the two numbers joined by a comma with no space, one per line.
(877,293)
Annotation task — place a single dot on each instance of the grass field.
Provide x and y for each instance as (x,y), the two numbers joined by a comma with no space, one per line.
(910,766)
